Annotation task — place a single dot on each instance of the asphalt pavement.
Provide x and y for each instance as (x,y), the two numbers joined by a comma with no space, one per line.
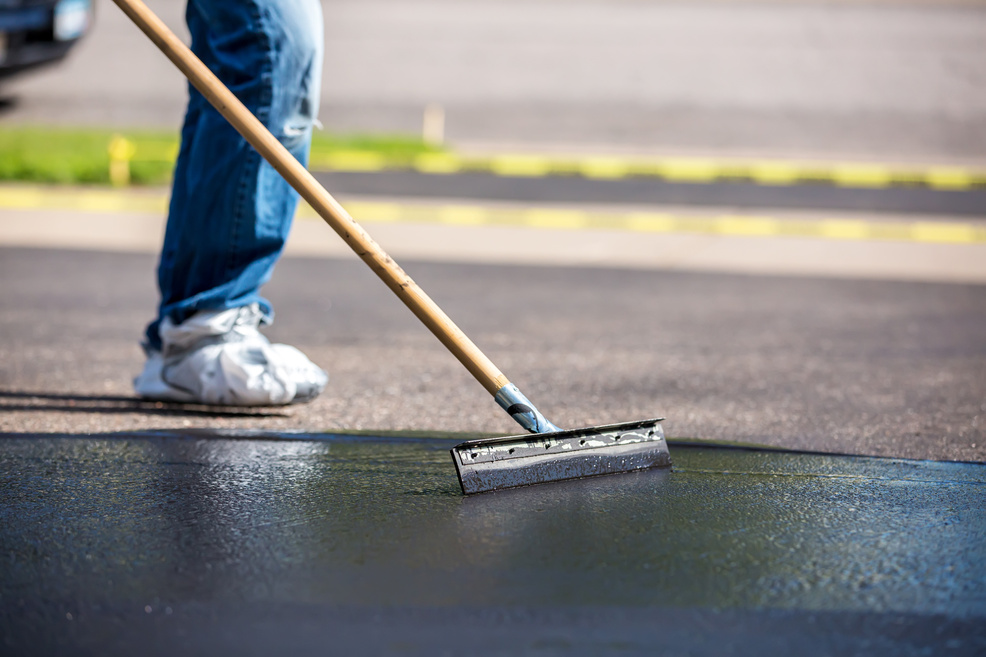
(847,325)
(197,543)
(630,191)
(891,368)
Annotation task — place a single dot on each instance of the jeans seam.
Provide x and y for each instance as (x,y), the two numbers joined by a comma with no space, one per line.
(251,172)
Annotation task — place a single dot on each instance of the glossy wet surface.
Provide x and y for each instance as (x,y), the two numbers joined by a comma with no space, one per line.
(157,543)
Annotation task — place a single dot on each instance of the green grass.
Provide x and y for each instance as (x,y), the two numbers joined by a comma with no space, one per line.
(82,156)
(392,146)
(69,156)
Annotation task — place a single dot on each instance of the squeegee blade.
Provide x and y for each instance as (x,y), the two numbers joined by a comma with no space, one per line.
(485,465)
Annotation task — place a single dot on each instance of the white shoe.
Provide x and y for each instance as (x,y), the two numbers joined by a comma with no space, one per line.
(220,358)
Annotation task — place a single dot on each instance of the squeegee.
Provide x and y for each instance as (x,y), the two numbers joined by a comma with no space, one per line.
(483,465)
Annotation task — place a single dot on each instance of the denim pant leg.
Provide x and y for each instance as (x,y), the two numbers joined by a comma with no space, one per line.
(230,211)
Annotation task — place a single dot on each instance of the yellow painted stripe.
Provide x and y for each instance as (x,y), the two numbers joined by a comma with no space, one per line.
(437,163)
(658,222)
(27,197)
(773,173)
(861,175)
(688,170)
(952,178)
(85,200)
(943,232)
(561,219)
(519,165)
(844,229)
(604,167)
(375,212)
(694,170)
(650,222)
(746,226)
(675,169)
(350,161)
(463,216)
(22,198)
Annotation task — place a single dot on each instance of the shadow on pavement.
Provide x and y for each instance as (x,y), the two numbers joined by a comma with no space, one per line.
(103,404)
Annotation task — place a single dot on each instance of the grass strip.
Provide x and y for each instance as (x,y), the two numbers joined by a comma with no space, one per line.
(57,155)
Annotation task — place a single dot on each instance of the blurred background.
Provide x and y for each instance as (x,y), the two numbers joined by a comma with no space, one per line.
(871,79)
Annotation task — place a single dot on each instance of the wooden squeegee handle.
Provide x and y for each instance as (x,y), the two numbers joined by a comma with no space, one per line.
(327,207)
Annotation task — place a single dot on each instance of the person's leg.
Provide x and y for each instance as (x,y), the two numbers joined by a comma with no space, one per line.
(230,212)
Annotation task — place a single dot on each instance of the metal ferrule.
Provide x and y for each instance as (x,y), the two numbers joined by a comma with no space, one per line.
(513,401)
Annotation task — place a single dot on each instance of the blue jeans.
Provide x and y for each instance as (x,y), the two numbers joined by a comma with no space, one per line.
(230,211)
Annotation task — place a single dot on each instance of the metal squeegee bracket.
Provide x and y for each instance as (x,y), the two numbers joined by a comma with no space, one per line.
(486,465)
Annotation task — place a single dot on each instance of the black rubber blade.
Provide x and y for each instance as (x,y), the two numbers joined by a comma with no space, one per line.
(485,465)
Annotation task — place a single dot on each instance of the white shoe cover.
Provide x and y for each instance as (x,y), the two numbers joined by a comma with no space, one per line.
(221,358)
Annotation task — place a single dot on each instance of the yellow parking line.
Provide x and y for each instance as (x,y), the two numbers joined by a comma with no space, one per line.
(746,226)
(943,232)
(952,178)
(22,198)
(604,167)
(519,165)
(844,229)
(559,219)
(659,222)
(650,222)
(31,197)
(437,163)
(350,161)
(462,215)
(27,197)
(861,175)
(676,169)
(679,169)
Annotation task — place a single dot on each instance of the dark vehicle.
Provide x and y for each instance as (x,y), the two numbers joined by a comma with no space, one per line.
(35,32)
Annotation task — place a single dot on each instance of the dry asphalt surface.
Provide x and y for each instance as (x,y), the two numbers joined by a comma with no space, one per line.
(858,366)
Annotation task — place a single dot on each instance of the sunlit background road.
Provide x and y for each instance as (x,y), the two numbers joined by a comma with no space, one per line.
(874,79)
